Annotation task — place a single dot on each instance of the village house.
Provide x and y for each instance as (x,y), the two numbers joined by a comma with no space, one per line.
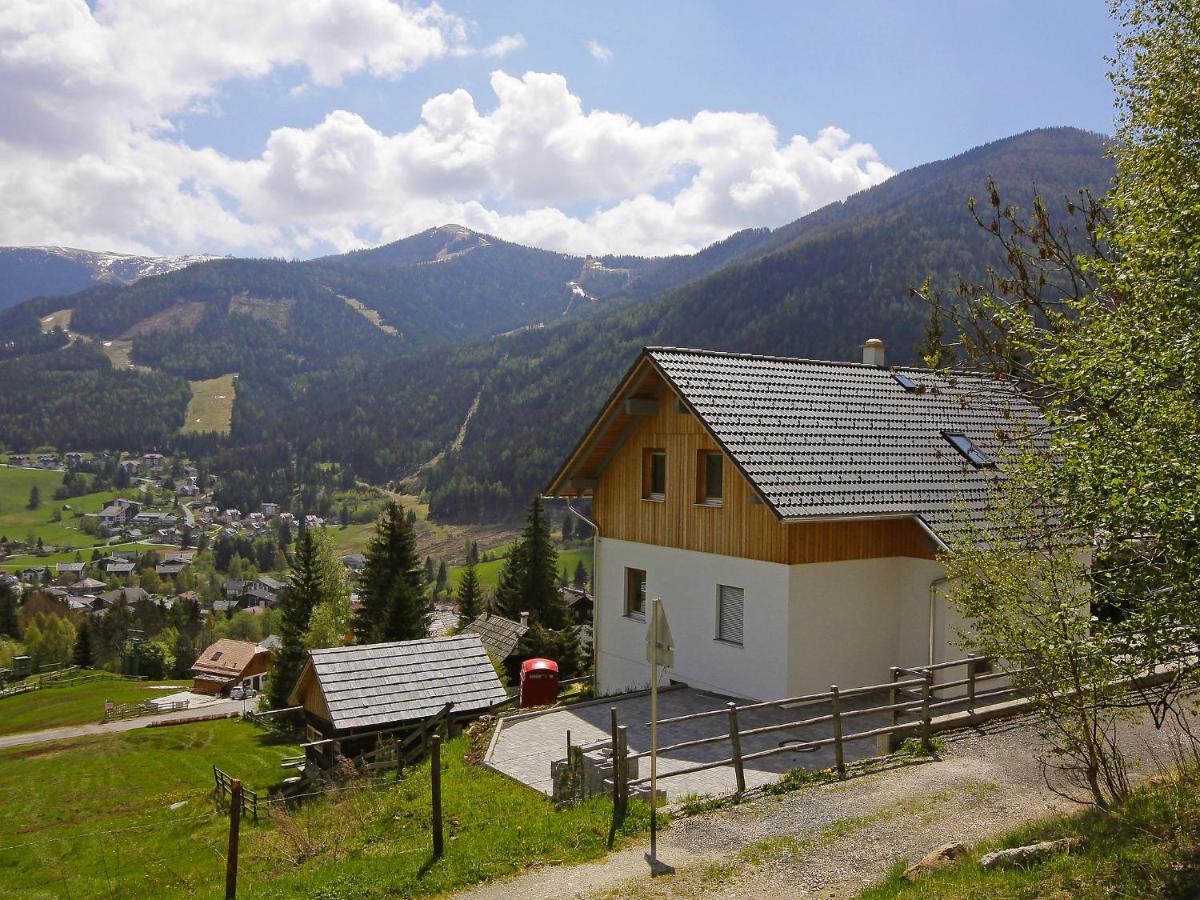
(34,574)
(47,460)
(153,461)
(368,688)
(789,514)
(270,509)
(86,586)
(69,572)
(228,664)
(18,459)
(73,459)
(499,635)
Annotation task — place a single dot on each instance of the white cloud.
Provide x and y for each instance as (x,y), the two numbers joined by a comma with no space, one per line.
(504,45)
(88,155)
(599,52)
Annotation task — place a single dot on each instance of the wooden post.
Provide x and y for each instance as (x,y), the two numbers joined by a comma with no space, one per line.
(835,703)
(971,682)
(435,772)
(886,743)
(622,763)
(399,761)
(926,720)
(231,859)
(616,759)
(735,740)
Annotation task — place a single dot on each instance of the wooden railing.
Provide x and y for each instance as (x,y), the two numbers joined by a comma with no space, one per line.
(271,718)
(144,708)
(914,694)
(223,790)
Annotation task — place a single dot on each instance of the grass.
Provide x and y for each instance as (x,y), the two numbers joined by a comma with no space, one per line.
(364,841)
(1148,846)
(211,406)
(19,561)
(74,705)
(18,521)
(489,572)
(119,354)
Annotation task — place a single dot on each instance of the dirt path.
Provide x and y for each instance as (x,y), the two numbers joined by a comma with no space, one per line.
(834,840)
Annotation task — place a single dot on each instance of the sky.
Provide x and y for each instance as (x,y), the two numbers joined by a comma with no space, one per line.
(298,128)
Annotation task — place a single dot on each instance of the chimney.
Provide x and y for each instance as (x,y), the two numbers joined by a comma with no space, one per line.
(873,352)
(525,619)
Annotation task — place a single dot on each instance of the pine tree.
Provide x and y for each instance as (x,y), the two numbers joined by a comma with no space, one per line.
(35,498)
(529,580)
(83,646)
(441,577)
(562,578)
(394,605)
(568,527)
(470,596)
(300,597)
(8,611)
(581,575)
(473,553)
(429,570)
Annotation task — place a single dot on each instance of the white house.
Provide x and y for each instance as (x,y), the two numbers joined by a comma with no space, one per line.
(788,513)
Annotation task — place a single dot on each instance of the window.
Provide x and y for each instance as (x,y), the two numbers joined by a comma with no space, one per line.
(635,593)
(710,475)
(729,614)
(217,655)
(654,475)
(967,448)
(904,381)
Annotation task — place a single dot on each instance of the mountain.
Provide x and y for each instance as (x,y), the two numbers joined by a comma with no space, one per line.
(468,364)
(27,272)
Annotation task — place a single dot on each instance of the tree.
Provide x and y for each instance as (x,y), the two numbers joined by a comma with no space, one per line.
(473,552)
(529,579)
(300,596)
(331,619)
(49,640)
(568,527)
(429,570)
(394,605)
(83,646)
(562,578)
(1096,320)
(580,578)
(441,577)
(470,596)
(35,498)
(8,611)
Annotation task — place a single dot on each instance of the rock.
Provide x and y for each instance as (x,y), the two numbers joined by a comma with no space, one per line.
(1031,853)
(942,856)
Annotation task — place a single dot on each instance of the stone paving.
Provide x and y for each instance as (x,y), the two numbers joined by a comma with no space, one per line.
(526,745)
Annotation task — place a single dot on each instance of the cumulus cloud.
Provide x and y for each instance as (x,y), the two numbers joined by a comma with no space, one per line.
(89,155)
(599,52)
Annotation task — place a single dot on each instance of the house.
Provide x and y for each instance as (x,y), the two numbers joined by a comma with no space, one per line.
(227,664)
(376,687)
(188,489)
(71,571)
(355,562)
(18,459)
(47,460)
(118,567)
(73,459)
(263,591)
(34,574)
(153,461)
(499,635)
(789,514)
(579,602)
(270,509)
(131,466)
(130,595)
(442,621)
(169,569)
(86,586)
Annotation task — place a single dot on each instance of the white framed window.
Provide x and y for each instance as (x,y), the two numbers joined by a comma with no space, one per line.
(730,601)
(635,593)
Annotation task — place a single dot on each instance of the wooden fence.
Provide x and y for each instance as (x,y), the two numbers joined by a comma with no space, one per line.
(273,719)
(144,708)
(223,791)
(912,694)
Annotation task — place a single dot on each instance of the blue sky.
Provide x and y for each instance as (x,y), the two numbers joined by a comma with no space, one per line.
(251,126)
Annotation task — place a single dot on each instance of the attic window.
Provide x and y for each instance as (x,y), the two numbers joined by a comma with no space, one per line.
(216,655)
(904,381)
(967,448)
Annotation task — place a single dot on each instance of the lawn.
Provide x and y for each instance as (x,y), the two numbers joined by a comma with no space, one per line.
(365,841)
(19,561)
(79,704)
(18,522)
(489,572)
(211,406)
(1148,846)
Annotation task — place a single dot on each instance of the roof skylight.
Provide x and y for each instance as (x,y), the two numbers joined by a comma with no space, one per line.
(967,448)
(905,382)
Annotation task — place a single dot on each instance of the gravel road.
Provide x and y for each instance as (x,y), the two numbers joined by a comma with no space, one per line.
(833,840)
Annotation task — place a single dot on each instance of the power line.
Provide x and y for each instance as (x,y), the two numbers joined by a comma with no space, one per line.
(72,837)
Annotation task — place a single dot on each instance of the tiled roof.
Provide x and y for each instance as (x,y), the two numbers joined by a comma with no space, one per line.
(845,439)
(500,635)
(375,685)
(225,658)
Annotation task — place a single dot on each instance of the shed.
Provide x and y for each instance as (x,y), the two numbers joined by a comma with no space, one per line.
(375,687)
(499,635)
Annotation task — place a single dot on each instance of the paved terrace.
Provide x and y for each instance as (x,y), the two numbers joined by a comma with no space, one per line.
(527,744)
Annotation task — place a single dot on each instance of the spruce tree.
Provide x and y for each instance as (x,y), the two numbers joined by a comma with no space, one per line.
(568,527)
(35,498)
(562,579)
(394,605)
(83,646)
(529,580)
(470,596)
(300,596)
(8,611)
(581,575)
(441,577)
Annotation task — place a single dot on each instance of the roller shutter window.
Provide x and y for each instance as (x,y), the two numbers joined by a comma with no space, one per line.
(729,614)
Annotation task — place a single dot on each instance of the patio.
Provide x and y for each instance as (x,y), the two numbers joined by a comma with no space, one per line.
(525,745)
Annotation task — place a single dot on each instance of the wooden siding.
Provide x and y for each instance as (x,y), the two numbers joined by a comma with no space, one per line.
(739,526)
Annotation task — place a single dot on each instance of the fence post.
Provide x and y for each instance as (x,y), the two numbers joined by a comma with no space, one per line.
(835,702)
(735,739)
(616,759)
(623,763)
(926,720)
(971,682)
(231,860)
(435,771)
(399,761)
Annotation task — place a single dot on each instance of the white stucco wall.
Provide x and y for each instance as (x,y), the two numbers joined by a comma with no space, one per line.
(686,582)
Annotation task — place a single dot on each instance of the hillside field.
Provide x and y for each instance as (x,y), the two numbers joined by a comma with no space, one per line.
(211,406)
(18,522)
(489,572)
(79,704)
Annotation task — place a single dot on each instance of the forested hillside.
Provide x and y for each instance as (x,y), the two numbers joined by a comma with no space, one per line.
(521,345)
